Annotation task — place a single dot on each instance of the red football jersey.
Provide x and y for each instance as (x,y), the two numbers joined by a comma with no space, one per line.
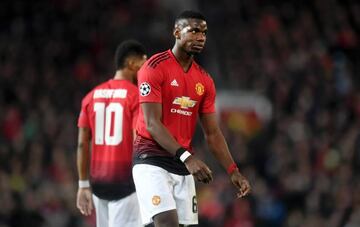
(110,110)
(183,96)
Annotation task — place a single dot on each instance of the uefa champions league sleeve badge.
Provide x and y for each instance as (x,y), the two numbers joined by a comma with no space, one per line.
(145,89)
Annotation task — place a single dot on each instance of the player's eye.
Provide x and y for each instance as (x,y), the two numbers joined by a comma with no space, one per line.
(195,31)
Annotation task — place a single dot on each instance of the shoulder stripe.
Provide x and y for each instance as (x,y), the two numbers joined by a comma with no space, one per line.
(158,61)
(157,57)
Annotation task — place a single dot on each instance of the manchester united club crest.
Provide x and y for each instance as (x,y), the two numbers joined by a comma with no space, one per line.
(156,200)
(199,88)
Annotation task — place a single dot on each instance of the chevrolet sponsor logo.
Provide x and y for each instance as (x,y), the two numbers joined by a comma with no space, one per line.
(184,102)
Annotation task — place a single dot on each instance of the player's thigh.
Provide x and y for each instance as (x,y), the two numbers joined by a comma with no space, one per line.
(101,210)
(185,198)
(166,219)
(154,188)
(125,212)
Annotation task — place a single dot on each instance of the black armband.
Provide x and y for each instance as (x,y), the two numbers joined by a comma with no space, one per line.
(182,154)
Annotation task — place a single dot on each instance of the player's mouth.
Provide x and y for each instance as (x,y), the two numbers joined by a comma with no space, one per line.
(198,47)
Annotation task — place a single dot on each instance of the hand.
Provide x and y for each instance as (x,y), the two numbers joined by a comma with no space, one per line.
(240,183)
(84,201)
(198,169)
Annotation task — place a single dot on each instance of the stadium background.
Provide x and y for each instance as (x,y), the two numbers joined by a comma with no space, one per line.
(302,56)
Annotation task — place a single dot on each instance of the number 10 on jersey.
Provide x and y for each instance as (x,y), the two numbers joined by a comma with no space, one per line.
(107,118)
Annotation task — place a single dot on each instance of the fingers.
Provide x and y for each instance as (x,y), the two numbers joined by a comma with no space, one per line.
(89,207)
(199,170)
(85,209)
(208,175)
(85,205)
(243,193)
(244,189)
(204,175)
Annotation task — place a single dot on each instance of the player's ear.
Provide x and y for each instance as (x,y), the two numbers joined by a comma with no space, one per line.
(176,32)
(133,63)
(129,62)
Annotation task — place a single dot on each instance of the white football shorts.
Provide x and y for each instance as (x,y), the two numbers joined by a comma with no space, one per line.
(123,212)
(159,190)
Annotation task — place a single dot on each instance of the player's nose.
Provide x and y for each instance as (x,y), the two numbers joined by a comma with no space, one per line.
(201,37)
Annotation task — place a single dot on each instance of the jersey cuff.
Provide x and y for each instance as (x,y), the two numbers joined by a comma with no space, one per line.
(83,125)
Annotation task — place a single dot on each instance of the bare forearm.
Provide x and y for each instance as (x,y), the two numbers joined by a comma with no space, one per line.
(83,161)
(219,148)
(83,153)
(163,137)
(153,116)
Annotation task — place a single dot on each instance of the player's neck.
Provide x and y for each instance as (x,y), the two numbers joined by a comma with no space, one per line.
(182,57)
(122,75)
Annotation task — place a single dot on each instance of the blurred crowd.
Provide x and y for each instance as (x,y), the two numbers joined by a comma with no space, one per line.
(304,164)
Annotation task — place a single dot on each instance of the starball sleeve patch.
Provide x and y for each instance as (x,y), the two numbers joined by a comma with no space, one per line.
(145,89)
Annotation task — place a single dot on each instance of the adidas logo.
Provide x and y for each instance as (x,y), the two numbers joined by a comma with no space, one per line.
(174,83)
